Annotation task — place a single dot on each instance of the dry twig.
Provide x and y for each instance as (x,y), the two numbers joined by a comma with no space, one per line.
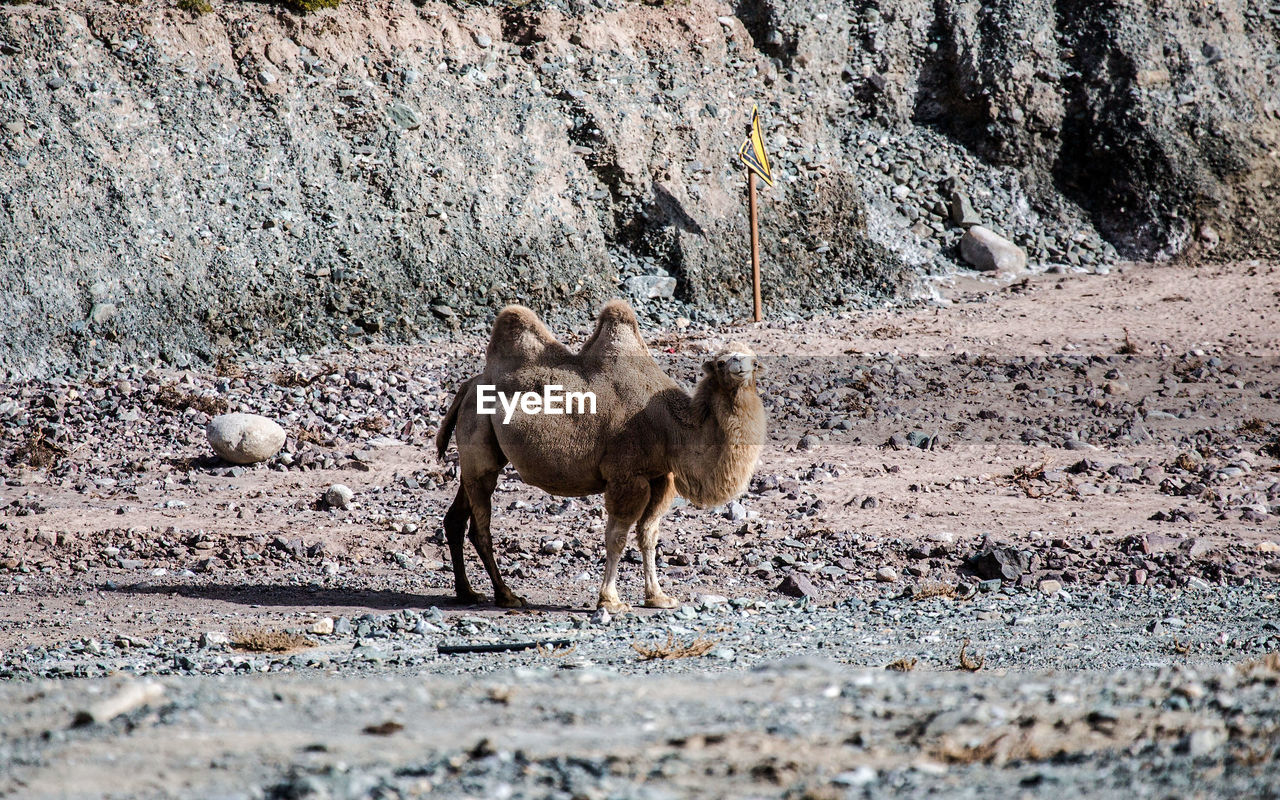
(968,664)
(933,589)
(673,649)
(1128,348)
(1265,668)
(1026,477)
(262,641)
(37,452)
(172,397)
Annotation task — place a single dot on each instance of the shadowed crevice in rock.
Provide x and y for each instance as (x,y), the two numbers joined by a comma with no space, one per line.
(1109,162)
(760,18)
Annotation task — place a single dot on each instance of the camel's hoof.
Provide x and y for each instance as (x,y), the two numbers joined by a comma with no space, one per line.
(661,601)
(613,606)
(510,601)
(470,599)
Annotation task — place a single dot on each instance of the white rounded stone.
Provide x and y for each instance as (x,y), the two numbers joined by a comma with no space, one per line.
(244,438)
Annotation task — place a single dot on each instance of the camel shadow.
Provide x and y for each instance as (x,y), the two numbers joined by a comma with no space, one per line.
(283,596)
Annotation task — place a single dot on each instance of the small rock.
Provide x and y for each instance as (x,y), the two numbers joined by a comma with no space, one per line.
(962,212)
(601,617)
(710,599)
(858,777)
(887,575)
(919,439)
(404,116)
(797,585)
(322,626)
(1209,237)
(214,639)
(552,546)
(244,438)
(1204,741)
(1050,586)
(483,40)
(338,496)
(342,627)
(1199,584)
(102,313)
(988,251)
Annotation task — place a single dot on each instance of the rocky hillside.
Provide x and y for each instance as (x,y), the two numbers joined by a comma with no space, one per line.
(182,185)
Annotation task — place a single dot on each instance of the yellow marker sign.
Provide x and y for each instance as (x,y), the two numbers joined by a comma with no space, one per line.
(752,151)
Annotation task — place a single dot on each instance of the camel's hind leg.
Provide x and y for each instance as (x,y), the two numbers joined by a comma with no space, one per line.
(625,501)
(480,462)
(455,530)
(479,490)
(661,492)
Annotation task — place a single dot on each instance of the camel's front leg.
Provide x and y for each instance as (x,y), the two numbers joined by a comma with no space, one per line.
(624,501)
(615,541)
(661,492)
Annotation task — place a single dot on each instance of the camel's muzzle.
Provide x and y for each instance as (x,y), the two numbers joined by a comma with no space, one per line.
(739,365)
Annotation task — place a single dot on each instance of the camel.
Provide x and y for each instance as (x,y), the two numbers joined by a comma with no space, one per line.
(648,439)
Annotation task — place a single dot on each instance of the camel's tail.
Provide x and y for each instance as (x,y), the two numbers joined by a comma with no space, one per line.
(450,420)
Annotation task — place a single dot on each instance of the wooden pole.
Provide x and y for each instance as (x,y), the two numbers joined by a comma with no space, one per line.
(755,243)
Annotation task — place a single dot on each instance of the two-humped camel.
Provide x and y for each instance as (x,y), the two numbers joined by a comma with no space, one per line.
(648,439)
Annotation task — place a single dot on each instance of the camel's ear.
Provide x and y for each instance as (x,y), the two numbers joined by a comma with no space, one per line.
(759,368)
(709,367)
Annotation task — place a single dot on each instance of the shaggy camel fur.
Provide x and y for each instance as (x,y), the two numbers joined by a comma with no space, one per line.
(648,439)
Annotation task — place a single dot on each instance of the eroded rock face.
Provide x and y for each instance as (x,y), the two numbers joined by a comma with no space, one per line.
(462,158)
(244,438)
(1150,118)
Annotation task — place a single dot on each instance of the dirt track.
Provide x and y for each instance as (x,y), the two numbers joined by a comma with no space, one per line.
(1042,429)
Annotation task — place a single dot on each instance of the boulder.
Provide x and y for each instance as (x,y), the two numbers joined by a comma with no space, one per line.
(1005,563)
(244,438)
(988,251)
(650,286)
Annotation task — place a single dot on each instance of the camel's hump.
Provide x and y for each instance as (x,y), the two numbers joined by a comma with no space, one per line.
(518,331)
(618,311)
(617,332)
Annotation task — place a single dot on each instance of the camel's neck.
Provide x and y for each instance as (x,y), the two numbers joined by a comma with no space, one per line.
(717,443)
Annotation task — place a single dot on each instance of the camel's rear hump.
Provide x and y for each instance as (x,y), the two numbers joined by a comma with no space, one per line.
(617,333)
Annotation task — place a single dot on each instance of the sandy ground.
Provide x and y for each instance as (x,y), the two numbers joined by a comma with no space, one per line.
(961,489)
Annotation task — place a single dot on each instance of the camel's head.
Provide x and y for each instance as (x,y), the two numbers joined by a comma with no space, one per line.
(734,366)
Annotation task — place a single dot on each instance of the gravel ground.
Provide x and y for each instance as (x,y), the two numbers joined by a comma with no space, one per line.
(1052,502)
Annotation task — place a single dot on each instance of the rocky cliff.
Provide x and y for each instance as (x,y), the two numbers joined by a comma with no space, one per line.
(179,185)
